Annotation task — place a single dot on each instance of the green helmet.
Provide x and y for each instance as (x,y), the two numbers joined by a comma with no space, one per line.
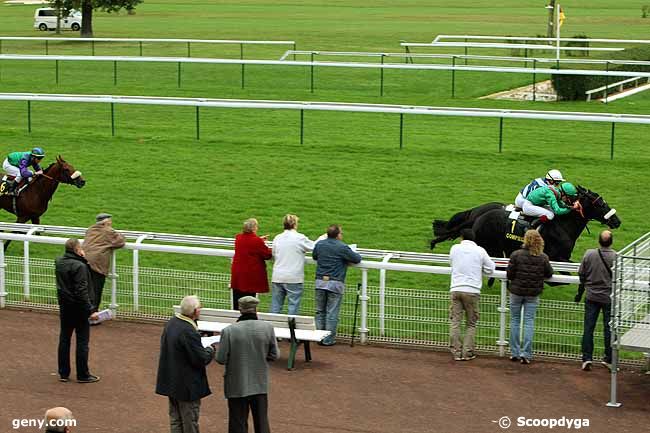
(568,189)
(38,152)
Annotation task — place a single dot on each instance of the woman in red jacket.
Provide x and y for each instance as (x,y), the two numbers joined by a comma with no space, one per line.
(248,271)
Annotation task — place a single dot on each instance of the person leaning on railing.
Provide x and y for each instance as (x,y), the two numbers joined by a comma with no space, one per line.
(528,267)
(596,277)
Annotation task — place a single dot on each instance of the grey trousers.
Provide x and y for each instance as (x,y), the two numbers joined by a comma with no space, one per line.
(184,416)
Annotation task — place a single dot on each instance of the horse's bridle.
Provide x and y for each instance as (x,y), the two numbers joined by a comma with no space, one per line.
(73,176)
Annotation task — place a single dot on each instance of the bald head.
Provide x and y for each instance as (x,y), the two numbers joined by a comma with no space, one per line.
(58,420)
(605,239)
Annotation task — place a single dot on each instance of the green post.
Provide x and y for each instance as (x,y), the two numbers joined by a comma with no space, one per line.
(56,68)
(381,77)
(401,130)
(302,126)
(140,48)
(92,47)
(406,54)
(47,48)
(241,57)
(500,134)
(611,149)
(557,94)
(311,75)
(453,77)
(466,51)
(0,46)
(115,72)
(112,119)
(198,130)
(179,75)
(534,80)
(294,49)
(29,116)
(189,53)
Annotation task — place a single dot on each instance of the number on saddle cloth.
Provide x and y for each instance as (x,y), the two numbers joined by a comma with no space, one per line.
(516,225)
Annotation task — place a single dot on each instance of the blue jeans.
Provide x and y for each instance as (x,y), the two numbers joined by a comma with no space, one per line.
(529,306)
(293,293)
(592,309)
(328,305)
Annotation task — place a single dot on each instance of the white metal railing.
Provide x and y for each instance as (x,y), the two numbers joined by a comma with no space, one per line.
(335,106)
(404,66)
(505,46)
(203,41)
(528,38)
(364,267)
(616,86)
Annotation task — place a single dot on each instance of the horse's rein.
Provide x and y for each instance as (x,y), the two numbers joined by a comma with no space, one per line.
(48,177)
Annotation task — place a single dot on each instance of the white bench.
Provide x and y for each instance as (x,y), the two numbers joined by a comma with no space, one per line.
(297,329)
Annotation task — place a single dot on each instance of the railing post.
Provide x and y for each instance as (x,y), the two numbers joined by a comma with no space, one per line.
(606,82)
(534,80)
(382,295)
(311,74)
(503,309)
(302,126)
(140,48)
(178,84)
(241,57)
(56,67)
(29,116)
(113,278)
(136,273)
(611,147)
(3,289)
(363,331)
(453,77)
(381,77)
(112,119)
(198,125)
(26,264)
(401,130)
(115,73)
(500,134)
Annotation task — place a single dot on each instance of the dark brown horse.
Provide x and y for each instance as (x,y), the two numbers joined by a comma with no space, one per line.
(33,201)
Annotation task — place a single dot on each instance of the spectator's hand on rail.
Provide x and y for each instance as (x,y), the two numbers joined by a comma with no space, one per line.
(94,316)
(265,237)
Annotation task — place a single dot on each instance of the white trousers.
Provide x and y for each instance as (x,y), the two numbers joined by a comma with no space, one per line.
(530,209)
(12,170)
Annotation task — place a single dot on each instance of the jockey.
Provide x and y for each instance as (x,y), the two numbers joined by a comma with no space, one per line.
(553,177)
(546,202)
(16,164)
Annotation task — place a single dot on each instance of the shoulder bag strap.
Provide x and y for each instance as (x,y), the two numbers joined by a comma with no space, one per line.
(609,269)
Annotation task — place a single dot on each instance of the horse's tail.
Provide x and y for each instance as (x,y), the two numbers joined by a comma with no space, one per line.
(445,230)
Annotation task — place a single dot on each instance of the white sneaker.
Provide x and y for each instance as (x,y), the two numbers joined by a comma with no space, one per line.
(586,366)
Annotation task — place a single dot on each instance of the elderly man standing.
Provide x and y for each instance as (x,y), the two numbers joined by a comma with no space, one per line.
(332,256)
(75,308)
(99,244)
(289,248)
(59,420)
(469,263)
(245,349)
(596,276)
(181,368)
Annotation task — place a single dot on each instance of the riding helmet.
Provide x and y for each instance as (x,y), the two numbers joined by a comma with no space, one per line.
(38,152)
(568,189)
(554,175)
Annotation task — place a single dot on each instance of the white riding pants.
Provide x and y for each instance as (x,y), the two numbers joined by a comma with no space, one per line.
(531,210)
(12,170)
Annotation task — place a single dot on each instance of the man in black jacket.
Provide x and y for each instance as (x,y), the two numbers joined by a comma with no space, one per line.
(181,369)
(75,308)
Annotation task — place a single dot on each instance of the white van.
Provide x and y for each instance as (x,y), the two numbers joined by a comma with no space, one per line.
(45,19)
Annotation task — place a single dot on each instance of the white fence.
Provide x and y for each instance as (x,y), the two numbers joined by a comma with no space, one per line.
(405,316)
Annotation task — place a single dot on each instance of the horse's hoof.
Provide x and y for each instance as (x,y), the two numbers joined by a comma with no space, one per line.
(432,245)
(491,282)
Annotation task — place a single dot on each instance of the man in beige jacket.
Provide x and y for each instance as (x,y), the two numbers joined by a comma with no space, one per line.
(99,243)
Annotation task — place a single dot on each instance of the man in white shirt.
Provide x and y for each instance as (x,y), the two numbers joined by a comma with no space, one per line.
(289,248)
(469,263)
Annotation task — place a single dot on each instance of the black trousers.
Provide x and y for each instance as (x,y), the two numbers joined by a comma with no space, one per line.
(73,320)
(592,309)
(236,295)
(238,414)
(97,281)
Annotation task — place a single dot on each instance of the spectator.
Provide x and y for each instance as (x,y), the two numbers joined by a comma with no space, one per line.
(332,257)
(245,349)
(181,368)
(469,263)
(527,269)
(248,271)
(99,244)
(596,276)
(289,248)
(75,308)
(59,420)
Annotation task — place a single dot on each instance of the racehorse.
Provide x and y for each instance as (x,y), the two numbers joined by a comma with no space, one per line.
(33,201)
(490,223)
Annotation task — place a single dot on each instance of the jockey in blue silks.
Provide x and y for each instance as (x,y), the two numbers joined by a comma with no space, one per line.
(17,164)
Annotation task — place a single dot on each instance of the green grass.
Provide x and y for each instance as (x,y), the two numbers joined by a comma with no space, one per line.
(155,176)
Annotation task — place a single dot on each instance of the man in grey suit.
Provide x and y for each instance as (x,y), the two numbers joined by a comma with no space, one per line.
(245,349)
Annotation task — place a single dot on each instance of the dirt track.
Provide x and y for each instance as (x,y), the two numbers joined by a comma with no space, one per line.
(360,389)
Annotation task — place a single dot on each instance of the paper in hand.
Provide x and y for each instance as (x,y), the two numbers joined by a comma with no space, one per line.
(208,341)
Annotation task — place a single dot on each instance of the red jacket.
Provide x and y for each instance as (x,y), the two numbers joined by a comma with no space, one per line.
(248,271)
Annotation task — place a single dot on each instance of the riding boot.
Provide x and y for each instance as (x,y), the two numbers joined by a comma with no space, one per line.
(11,187)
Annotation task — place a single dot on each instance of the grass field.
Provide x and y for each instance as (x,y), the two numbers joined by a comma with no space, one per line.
(153,175)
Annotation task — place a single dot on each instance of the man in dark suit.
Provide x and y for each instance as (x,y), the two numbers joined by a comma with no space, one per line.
(181,369)
(75,308)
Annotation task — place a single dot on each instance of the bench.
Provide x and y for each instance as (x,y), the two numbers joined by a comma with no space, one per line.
(297,329)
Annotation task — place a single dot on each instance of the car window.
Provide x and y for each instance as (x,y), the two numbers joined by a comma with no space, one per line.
(47,13)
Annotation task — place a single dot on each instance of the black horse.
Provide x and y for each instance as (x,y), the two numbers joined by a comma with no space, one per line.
(490,224)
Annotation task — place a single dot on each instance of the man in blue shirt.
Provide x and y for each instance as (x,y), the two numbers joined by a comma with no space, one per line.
(332,256)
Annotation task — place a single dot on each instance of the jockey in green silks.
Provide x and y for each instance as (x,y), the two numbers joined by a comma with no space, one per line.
(549,201)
